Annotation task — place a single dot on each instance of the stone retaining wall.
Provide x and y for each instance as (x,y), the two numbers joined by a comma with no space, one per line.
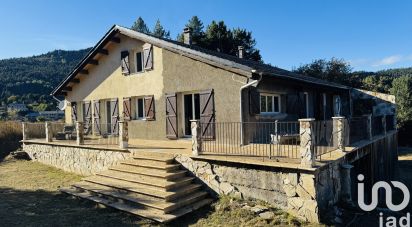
(292,191)
(80,160)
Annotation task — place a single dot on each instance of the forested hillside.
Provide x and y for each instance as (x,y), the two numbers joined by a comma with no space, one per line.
(31,79)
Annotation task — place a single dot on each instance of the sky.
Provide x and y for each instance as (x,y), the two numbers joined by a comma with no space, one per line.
(370,35)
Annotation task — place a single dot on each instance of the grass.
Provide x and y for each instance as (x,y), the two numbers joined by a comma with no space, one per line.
(10,135)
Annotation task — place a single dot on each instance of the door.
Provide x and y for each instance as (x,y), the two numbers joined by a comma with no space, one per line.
(191,110)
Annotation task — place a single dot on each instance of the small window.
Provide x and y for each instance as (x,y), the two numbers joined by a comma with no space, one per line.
(269,103)
(140,111)
(139,62)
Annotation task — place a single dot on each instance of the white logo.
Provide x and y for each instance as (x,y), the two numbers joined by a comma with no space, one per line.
(388,193)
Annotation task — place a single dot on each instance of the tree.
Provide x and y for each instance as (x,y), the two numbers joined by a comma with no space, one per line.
(218,37)
(140,26)
(198,34)
(241,37)
(159,31)
(402,89)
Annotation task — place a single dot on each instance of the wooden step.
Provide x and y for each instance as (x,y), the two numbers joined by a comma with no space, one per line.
(149,171)
(149,201)
(144,189)
(156,158)
(145,212)
(151,164)
(147,180)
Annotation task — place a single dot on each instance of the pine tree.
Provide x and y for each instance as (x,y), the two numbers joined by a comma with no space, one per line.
(159,31)
(241,37)
(198,33)
(140,26)
(219,37)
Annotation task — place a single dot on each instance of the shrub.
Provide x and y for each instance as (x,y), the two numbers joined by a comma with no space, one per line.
(10,136)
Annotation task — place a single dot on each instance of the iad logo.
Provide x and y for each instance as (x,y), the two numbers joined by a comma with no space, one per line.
(390,221)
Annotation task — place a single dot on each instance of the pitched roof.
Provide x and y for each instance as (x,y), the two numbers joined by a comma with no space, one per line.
(231,63)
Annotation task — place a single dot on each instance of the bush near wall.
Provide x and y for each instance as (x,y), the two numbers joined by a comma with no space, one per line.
(10,135)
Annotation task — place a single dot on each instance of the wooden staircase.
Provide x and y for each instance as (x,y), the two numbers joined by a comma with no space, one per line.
(150,185)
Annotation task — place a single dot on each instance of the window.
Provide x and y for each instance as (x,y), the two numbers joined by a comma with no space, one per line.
(140,111)
(269,103)
(139,62)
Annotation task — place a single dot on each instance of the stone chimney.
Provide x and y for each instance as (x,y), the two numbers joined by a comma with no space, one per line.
(187,36)
(241,51)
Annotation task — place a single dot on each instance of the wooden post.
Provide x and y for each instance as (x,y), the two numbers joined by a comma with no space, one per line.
(196,137)
(339,132)
(368,126)
(307,139)
(49,134)
(123,134)
(346,193)
(24,129)
(80,133)
(384,124)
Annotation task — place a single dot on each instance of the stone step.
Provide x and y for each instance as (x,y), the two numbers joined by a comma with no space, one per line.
(142,211)
(150,172)
(154,154)
(144,189)
(151,164)
(152,202)
(155,158)
(147,180)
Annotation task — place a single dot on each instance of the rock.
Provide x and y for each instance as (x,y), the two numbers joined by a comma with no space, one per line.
(295,203)
(259,209)
(303,193)
(267,215)
(226,188)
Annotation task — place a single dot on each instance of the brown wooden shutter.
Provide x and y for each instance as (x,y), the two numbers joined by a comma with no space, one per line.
(149,105)
(125,62)
(87,117)
(74,112)
(171,116)
(96,116)
(148,57)
(254,100)
(207,114)
(127,109)
(114,109)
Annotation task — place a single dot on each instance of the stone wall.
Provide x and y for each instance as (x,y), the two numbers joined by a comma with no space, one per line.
(80,160)
(292,191)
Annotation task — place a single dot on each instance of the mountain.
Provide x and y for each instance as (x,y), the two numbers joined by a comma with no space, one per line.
(31,79)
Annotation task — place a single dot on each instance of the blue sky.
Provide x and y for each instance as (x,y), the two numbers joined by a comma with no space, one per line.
(371,35)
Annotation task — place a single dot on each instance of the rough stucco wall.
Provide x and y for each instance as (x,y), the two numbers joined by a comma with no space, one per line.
(78,160)
(294,192)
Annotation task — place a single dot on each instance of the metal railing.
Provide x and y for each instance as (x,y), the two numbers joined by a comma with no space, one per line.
(358,129)
(108,135)
(35,130)
(324,138)
(258,139)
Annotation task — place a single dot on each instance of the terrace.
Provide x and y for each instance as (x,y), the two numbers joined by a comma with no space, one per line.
(304,144)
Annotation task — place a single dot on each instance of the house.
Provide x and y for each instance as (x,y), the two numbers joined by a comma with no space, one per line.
(159,85)
(17,107)
(257,131)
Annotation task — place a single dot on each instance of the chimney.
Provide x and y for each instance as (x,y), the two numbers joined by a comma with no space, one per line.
(241,51)
(187,36)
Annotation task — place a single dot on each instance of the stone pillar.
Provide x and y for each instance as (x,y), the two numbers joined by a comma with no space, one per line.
(368,126)
(339,132)
(24,130)
(196,137)
(307,149)
(80,133)
(384,124)
(346,186)
(123,134)
(49,133)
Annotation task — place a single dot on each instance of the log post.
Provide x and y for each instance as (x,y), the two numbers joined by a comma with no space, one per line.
(307,140)
(79,133)
(384,124)
(24,129)
(369,134)
(196,137)
(49,133)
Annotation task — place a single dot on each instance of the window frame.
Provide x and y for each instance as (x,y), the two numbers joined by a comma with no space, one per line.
(135,100)
(141,59)
(266,95)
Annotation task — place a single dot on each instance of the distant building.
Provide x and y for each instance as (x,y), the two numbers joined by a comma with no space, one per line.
(52,115)
(3,109)
(17,107)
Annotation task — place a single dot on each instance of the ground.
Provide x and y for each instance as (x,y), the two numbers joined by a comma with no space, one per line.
(29,196)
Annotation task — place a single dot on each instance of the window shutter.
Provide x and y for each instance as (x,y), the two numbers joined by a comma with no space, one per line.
(171,116)
(148,57)
(207,114)
(126,109)
(96,116)
(125,62)
(87,118)
(254,99)
(74,112)
(149,108)
(114,106)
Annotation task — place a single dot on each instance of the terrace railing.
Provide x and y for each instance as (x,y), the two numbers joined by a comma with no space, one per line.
(324,138)
(377,125)
(258,139)
(358,129)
